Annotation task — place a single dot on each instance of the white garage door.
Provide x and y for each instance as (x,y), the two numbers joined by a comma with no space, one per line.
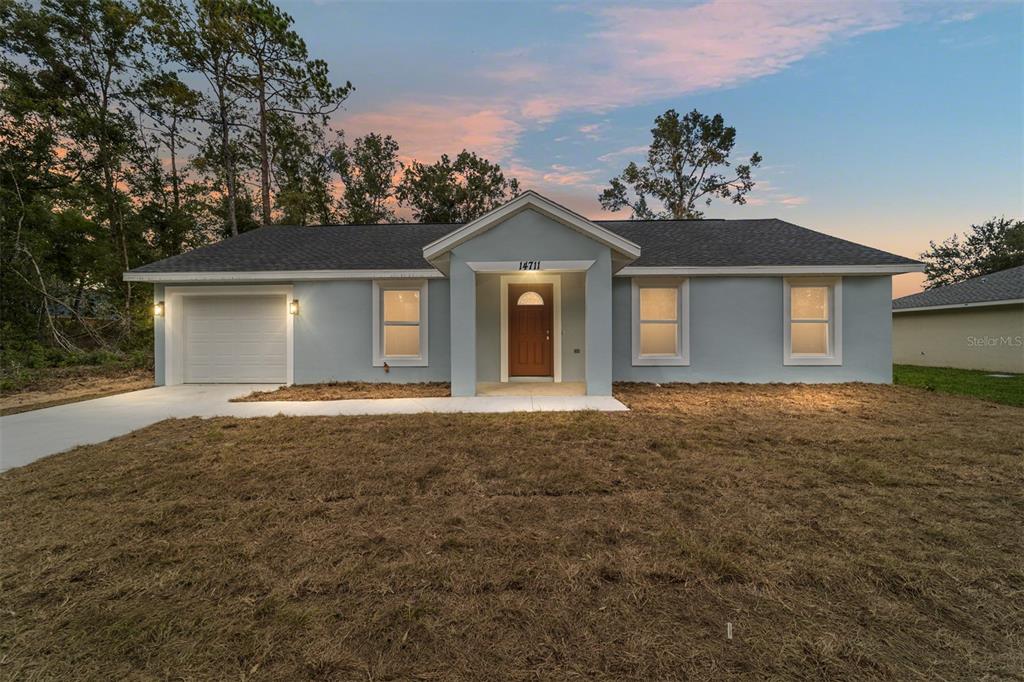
(235,339)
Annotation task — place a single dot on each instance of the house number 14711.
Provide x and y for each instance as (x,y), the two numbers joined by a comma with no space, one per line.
(529,265)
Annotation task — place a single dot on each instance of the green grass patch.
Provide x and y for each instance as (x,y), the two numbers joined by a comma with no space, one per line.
(970,382)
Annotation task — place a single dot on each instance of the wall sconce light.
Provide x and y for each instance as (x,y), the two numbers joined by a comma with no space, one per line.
(158,309)
(293,306)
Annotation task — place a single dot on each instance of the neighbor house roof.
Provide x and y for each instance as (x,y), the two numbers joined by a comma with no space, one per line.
(998,287)
(663,243)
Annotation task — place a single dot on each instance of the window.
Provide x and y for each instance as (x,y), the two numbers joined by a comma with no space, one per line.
(812,318)
(661,322)
(530,298)
(400,323)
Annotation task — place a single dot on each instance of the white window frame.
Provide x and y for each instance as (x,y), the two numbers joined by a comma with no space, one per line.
(682,355)
(379,358)
(835,321)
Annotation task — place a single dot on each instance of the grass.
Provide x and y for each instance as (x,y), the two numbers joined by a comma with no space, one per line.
(35,389)
(349,390)
(846,532)
(970,382)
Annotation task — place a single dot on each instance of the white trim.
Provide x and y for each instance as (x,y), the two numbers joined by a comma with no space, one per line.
(513,266)
(278,275)
(556,281)
(378,320)
(634,270)
(956,306)
(174,324)
(682,357)
(530,199)
(835,338)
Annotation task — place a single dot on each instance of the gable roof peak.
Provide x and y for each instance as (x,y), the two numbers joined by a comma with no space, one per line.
(530,199)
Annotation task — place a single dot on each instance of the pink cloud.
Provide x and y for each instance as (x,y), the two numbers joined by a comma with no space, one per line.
(643,53)
(425,131)
(634,55)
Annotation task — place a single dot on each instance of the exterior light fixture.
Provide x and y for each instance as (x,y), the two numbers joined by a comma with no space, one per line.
(158,309)
(293,306)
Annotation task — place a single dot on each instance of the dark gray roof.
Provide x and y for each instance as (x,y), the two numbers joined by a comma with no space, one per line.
(320,247)
(691,243)
(1005,285)
(697,243)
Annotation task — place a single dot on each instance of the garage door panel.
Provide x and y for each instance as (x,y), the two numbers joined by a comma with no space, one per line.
(235,339)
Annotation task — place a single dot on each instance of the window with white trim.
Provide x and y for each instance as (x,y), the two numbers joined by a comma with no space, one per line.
(661,334)
(400,323)
(812,318)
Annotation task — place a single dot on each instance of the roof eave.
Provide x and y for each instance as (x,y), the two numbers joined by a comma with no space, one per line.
(958,306)
(754,270)
(279,275)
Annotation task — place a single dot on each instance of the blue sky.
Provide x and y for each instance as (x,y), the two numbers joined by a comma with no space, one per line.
(887,123)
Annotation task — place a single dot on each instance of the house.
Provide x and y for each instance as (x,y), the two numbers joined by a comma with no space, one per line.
(528,292)
(974,324)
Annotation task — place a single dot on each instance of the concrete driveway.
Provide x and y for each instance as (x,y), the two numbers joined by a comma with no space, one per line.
(29,436)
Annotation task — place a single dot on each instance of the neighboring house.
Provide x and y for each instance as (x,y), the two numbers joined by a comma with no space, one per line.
(529,291)
(974,324)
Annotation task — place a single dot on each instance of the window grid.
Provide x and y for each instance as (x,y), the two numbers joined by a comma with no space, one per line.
(660,321)
(827,320)
(398,323)
(654,322)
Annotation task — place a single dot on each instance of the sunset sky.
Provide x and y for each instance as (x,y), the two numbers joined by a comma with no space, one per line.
(887,123)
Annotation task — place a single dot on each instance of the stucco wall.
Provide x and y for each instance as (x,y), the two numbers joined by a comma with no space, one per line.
(736,333)
(334,334)
(989,338)
(488,326)
(159,370)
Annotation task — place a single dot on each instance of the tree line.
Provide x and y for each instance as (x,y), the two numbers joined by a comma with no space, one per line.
(133,130)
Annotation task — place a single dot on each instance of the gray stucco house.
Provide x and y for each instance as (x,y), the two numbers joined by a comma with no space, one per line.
(528,292)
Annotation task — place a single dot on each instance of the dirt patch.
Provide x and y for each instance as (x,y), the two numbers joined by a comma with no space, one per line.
(846,532)
(349,390)
(62,385)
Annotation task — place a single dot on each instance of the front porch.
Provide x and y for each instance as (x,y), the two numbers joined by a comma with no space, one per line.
(530,288)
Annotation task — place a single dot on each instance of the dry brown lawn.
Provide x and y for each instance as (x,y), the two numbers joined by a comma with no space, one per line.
(349,390)
(61,385)
(848,532)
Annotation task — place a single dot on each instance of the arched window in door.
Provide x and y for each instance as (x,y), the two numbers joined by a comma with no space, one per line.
(530,298)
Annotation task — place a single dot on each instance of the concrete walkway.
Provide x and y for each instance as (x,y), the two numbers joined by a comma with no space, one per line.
(28,436)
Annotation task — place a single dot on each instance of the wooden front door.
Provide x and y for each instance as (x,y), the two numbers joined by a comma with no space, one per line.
(530,330)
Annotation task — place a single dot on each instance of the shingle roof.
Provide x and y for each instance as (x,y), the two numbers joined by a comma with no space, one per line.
(1005,285)
(702,243)
(685,243)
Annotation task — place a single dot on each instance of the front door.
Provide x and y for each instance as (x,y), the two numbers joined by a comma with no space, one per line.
(530,330)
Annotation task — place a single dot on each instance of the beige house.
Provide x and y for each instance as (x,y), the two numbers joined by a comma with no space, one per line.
(975,324)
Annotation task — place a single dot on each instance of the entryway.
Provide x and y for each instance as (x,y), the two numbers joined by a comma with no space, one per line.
(531,324)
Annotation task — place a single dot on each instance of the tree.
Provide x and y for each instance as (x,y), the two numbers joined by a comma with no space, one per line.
(686,164)
(367,169)
(206,38)
(301,168)
(74,77)
(281,80)
(996,244)
(454,191)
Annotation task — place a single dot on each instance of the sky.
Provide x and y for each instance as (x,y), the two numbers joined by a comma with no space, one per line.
(887,123)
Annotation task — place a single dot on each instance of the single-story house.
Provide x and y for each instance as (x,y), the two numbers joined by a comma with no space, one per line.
(531,291)
(974,324)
